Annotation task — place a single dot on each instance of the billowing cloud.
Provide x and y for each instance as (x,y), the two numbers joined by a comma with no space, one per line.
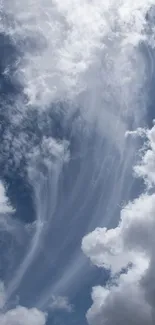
(23,316)
(19,315)
(128,251)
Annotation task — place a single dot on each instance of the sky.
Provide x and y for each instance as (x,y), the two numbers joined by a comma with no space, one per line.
(77,162)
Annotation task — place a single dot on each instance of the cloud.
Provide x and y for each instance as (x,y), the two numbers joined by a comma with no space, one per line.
(60,303)
(86,54)
(49,153)
(23,316)
(83,53)
(98,80)
(5,206)
(19,315)
(146,168)
(128,251)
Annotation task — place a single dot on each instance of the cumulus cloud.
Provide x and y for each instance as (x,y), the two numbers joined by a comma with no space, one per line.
(23,316)
(19,315)
(128,251)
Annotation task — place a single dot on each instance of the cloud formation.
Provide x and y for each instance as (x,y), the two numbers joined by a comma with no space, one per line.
(128,251)
(86,55)
(19,315)
(60,303)
(5,206)
(23,316)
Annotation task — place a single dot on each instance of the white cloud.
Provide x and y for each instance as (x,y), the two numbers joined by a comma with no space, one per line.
(85,53)
(129,298)
(60,303)
(49,152)
(5,206)
(23,316)
(147,167)
(19,315)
